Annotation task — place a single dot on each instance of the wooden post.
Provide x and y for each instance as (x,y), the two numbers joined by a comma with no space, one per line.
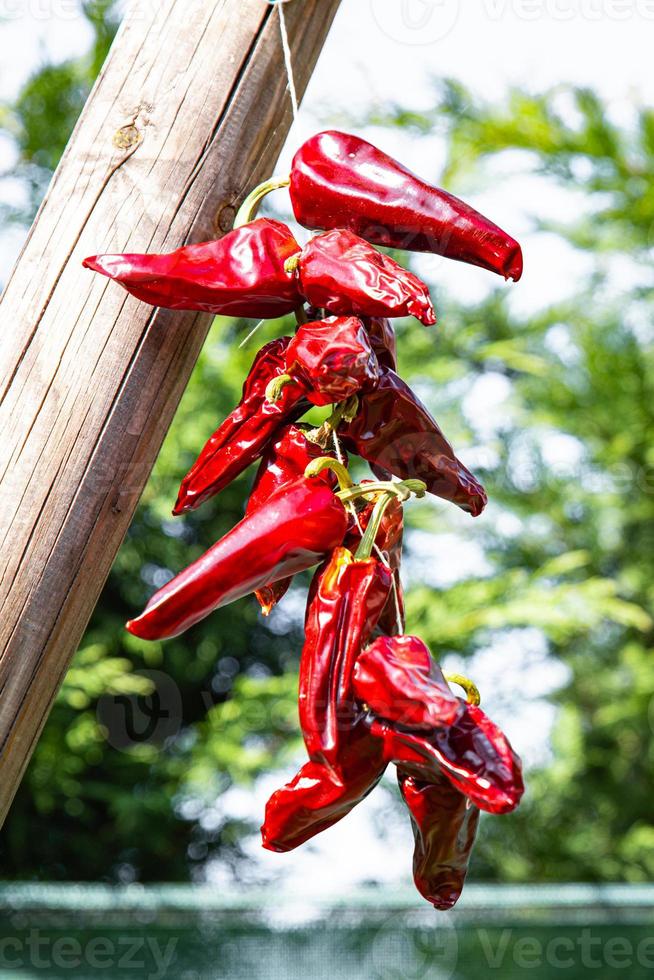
(189,113)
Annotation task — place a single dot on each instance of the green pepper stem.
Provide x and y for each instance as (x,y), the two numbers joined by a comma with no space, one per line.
(402,490)
(364,551)
(472,691)
(323,463)
(344,412)
(276,386)
(250,205)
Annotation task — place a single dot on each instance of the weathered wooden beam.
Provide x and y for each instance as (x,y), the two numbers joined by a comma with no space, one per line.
(190,111)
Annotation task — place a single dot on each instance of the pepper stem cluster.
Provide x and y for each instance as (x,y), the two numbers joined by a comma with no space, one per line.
(382,491)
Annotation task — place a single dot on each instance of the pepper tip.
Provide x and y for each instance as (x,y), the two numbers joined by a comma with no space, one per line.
(513,264)
(106,265)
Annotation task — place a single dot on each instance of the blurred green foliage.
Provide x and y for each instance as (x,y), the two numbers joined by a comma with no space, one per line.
(568,552)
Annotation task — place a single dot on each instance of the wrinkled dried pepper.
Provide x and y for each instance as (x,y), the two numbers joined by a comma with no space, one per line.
(396,434)
(444,827)
(332,359)
(400,681)
(299,525)
(346,600)
(344,274)
(342,181)
(241,274)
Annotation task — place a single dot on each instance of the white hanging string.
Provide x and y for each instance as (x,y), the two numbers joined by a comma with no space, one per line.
(288,61)
(251,334)
(288,64)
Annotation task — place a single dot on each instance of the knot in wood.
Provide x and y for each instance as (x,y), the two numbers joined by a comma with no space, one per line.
(126,137)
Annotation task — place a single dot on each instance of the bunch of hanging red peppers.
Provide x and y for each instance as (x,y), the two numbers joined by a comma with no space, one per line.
(368,693)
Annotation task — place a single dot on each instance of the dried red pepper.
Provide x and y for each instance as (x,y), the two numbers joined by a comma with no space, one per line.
(341,181)
(321,795)
(346,599)
(246,431)
(333,359)
(300,524)
(241,274)
(400,681)
(342,273)
(284,460)
(473,753)
(396,434)
(444,827)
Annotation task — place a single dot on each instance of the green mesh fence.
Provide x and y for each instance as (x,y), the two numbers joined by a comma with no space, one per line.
(187,933)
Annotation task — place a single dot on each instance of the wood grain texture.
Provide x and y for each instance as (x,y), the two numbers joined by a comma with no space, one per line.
(190,111)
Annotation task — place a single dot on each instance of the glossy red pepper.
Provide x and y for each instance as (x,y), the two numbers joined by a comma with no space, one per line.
(400,681)
(396,434)
(444,827)
(473,753)
(241,274)
(344,274)
(341,181)
(346,600)
(382,338)
(333,359)
(284,460)
(320,795)
(246,431)
(299,525)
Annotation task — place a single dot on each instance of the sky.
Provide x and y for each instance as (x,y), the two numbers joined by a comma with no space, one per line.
(490,45)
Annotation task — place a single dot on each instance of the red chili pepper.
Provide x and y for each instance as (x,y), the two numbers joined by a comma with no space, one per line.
(382,338)
(346,599)
(246,431)
(241,274)
(394,431)
(341,272)
(299,525)
(284,461)
(400,682)
(333,359)
(444,827)
(341,181)
(320,795)
(473,753)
